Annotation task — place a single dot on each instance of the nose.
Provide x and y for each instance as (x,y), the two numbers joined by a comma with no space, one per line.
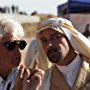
(50,44)
(17,50)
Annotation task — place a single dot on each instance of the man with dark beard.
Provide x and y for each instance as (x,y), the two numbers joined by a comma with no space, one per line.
(69,51)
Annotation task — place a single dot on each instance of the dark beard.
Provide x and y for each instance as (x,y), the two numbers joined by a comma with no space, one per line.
(54,55)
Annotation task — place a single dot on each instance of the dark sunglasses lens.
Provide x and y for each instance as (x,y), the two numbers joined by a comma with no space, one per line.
(22,44)
(10,46)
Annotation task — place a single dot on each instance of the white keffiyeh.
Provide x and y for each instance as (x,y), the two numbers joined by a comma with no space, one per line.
(79,42)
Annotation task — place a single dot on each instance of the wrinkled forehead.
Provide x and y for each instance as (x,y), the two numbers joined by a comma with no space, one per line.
(10,33)
(9,37)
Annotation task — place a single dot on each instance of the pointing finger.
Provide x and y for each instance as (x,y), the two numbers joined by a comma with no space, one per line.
(36,64)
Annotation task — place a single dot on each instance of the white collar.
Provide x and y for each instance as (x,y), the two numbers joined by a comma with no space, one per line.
(73,65)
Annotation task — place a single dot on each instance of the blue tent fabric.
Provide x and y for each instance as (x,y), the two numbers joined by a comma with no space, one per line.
(82,1)
(78,12)
(76,6)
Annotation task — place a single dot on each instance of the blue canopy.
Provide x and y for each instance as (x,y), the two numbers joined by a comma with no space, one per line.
(78,12)
(76,6)
(82,1)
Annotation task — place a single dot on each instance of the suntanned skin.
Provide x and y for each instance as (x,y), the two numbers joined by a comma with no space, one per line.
(31,80)
(8,59)
(68,53)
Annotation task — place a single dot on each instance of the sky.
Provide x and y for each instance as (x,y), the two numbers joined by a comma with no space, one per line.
(29,6)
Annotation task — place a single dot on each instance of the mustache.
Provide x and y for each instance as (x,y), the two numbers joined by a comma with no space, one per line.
(50,50)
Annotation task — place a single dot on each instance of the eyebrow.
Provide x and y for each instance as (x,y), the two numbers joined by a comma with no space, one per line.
(54,34)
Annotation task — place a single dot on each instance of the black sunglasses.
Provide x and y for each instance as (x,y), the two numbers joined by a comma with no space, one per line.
(11,45)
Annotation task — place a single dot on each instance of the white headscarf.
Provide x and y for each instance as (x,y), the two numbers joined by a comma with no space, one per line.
(79,42)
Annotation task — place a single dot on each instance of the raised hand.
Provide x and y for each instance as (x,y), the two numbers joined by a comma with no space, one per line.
(33,80)
(19,78)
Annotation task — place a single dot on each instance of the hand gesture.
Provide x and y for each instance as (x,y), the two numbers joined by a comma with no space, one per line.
(33,80)
(21,70)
